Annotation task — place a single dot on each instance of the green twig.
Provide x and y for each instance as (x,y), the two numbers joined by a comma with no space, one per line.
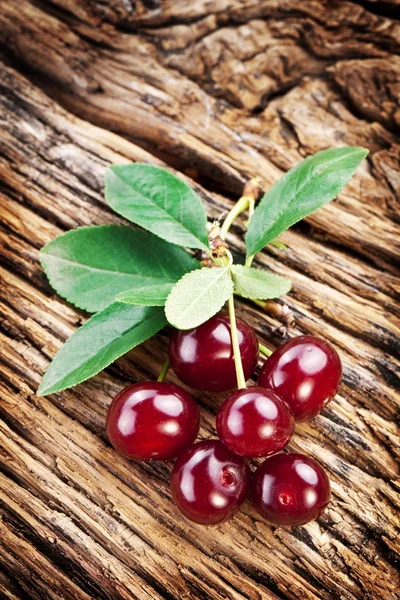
(260,303)
(239,207)
(252,204)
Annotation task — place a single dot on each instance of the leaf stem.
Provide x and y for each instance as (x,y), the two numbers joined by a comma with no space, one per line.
(260,303)
(241,382)
(238,208)
(249,260)
(164,371)
(264,350)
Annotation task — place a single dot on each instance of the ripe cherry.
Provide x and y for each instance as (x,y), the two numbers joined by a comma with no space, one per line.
(306,372)
(290,489)
(209,483)
(152,421)
(203,357)
(255,422)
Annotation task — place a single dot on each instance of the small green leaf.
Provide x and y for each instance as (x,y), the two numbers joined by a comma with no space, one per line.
(198,296)
(102,339)
(90,265)
(304,189)
(155,295)
(256,284)
(159,202)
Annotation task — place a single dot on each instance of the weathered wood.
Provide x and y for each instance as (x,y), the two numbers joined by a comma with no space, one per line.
(179,84)
(123,82)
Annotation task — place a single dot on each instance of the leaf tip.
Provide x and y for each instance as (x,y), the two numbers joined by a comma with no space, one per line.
(360,150)
(42,389)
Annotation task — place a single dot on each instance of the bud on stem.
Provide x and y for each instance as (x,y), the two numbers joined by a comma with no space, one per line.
(280,311)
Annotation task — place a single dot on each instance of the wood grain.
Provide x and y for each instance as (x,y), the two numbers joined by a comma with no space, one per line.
(218,94)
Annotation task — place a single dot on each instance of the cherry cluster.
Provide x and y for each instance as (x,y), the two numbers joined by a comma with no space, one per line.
(211,479)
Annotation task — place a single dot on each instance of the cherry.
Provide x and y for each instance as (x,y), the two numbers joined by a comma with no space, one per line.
(290,489)
(203,357)
(152,421)
(306,372)
(209,483)
(255,422)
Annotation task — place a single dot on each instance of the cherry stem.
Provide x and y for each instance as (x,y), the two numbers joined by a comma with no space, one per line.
(164,371)
(241,382)
(264,350)
(240,206)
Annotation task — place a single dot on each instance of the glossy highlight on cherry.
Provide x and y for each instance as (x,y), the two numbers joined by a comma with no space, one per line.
(255,422)
(306,372)
(203,357)
(209,483)
(152,421)
(290,489)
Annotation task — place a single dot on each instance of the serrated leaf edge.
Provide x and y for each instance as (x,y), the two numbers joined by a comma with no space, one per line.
(261,271)
(364,152)
(225,269)
(203,245)
(70,233)
(51,390)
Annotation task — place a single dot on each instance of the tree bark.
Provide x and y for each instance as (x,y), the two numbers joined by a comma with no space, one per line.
(218,93)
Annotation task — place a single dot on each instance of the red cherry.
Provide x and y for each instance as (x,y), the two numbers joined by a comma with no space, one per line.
(152,421)
(255,422)
(290,489)
(306,372)
(203,357)
(209,483)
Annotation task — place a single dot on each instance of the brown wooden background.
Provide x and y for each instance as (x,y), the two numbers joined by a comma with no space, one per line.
(220,91)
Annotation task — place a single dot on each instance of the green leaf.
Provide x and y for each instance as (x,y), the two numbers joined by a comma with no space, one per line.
(159,202)
(256,284)
(310,185)
(102,339)
(198,296)
(90,265)
(155,295)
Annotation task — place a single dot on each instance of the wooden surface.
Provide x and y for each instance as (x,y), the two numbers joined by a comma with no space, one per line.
(219,91)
